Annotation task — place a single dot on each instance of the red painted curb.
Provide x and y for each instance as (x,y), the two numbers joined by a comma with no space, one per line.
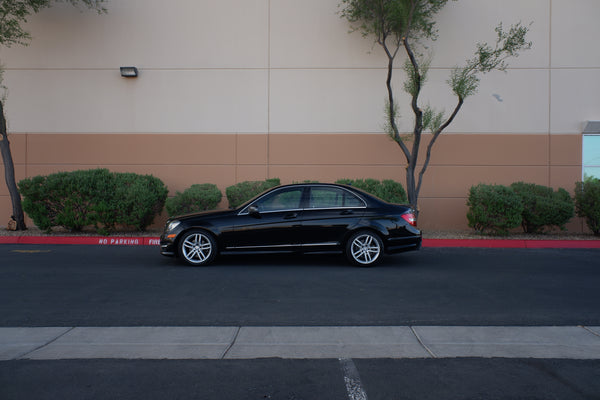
(155,241)
(89,240)
(564,244)
(487,243)
(513,243)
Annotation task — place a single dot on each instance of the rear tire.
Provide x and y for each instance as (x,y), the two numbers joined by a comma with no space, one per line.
(197,248)
(364,249)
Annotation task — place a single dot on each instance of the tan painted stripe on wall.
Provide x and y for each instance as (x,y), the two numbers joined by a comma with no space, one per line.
(180,160)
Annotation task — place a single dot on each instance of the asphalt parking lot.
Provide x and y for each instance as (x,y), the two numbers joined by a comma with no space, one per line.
(123,322)
(62,285)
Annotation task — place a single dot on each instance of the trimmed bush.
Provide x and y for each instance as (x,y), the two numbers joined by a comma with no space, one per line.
(68,199)
(98,198)
(587,203)
(493,208)
(387,190)
(200,197)
(240,193)
(543,207)
(138,199)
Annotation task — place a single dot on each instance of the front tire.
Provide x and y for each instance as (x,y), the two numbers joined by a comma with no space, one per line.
(364,249)
(197,248)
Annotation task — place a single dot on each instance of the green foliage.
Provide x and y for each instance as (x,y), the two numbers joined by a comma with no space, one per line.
(416,76)
(68,199)
(137,199)
(200,197)
(493,208)
(393,19)
(240,193)
(391,118)
(543,207)
(587,202)
(432,119)
(14,14)
(98,198)
(387,190)
(405,24)
(464,81)
(13,17)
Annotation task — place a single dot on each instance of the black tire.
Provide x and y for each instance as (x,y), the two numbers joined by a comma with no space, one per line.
(364,248)
(197,248)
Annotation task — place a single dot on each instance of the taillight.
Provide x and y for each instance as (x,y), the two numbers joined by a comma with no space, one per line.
(410,218)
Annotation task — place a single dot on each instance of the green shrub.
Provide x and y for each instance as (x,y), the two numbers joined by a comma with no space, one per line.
(99,198)
(138,199)
(587,202)
(543,207)
(68,199)
(493,208)
(200,197)
(387,190)
(241,192)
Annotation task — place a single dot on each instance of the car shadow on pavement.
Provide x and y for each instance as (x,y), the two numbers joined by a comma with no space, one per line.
(405,260)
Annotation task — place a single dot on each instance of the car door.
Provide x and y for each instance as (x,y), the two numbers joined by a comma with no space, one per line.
(329,214)
(271,223)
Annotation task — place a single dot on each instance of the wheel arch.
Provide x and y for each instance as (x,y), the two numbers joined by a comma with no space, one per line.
(367,225)
(188,229)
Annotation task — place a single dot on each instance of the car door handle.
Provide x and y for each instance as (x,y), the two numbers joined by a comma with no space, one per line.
(291,216)
(347,212)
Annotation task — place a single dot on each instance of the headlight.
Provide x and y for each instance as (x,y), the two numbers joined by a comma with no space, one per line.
(172,225)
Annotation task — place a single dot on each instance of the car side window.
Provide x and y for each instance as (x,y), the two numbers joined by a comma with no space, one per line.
(281,200)
(324,197)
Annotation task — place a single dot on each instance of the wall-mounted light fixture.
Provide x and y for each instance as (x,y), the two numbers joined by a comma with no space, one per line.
(129,72)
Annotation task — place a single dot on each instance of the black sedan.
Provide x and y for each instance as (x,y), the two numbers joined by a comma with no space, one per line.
(302,218)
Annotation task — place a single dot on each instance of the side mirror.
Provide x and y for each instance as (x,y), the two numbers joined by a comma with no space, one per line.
(253,211)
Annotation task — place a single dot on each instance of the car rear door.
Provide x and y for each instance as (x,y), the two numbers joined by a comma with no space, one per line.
(329,214)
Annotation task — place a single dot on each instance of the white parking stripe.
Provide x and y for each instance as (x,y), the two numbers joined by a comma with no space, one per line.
(352,380)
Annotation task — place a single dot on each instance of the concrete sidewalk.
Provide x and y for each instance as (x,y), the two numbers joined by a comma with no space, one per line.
(52,343)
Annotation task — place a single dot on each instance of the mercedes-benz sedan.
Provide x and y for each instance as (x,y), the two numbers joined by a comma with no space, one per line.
(301,218)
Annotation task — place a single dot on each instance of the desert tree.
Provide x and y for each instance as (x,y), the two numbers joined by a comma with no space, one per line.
(13,19)
(405,27)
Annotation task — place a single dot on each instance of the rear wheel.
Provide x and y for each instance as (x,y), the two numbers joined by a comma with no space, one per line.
(197,248)
(364,248)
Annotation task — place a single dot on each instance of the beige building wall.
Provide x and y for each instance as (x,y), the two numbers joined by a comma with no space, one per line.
(234,90)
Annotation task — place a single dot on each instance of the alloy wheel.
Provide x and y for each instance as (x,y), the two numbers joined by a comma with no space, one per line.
(197,248)
(364,248)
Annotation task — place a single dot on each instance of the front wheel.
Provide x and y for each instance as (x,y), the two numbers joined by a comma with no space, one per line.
(197,248)
(364,249)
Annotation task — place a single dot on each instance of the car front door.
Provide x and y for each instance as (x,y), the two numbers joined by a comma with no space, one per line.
(271,223)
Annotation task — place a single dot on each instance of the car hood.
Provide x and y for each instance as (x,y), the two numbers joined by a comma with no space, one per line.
(204,214)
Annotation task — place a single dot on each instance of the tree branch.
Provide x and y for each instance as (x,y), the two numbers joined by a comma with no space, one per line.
(434,138)
(395,133)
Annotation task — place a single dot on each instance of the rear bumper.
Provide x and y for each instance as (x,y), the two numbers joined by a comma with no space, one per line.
(402,244)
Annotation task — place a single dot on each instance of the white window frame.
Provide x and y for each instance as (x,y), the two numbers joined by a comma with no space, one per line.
(584,165)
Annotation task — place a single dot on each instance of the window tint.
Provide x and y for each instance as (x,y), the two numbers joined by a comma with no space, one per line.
(591,156)
(323,197)
(281,200)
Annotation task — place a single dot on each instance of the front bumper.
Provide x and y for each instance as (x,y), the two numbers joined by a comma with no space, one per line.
(167,247)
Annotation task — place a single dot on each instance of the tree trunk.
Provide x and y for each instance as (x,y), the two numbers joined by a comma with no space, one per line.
(9,173)
(411,188)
